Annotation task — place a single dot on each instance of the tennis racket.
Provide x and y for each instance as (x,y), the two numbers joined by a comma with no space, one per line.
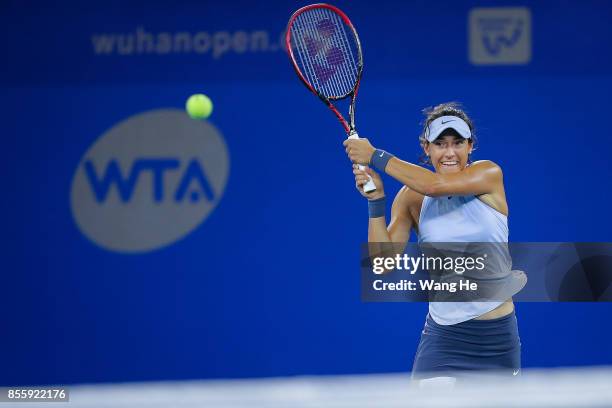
(325,51)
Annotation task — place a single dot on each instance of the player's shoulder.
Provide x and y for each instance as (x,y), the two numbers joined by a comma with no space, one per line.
(408,197)
(488,166)
(407,204)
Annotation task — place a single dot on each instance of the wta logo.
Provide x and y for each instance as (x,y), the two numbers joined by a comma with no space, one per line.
(149,181)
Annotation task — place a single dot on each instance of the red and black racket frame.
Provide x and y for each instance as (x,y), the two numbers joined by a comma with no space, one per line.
(349,127)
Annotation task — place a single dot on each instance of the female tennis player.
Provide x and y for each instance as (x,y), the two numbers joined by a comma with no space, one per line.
(458,202)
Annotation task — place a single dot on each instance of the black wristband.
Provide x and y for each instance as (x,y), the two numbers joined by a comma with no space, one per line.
(379,160)
(377,208)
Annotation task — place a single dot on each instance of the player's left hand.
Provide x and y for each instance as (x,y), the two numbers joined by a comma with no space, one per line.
(359,150)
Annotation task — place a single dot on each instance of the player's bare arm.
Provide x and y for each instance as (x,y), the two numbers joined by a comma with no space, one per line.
(483,178)
(405,205)
(404,211)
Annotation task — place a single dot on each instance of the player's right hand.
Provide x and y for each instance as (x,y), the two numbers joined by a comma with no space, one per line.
(361,177)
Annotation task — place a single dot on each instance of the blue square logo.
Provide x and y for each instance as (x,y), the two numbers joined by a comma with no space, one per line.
(500,36)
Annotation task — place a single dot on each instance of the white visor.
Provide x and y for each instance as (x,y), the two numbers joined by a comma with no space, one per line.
(439,125)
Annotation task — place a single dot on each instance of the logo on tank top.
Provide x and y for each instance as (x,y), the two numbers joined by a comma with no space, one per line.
(149,181)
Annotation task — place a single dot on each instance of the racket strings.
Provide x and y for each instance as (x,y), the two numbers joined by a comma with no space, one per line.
(348,72)
(330,68)
(299,33)
(328,60)
(328,56)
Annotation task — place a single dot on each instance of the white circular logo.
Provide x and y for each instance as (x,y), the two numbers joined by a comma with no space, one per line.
(149,181)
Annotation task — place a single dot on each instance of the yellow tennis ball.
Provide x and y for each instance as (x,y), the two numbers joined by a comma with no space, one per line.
(199,106)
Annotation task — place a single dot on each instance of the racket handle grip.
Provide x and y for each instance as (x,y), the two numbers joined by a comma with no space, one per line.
(369,186)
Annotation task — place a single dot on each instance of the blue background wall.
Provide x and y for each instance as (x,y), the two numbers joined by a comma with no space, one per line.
(268,285)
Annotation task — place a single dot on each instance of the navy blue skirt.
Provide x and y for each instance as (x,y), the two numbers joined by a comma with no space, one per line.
(474,345)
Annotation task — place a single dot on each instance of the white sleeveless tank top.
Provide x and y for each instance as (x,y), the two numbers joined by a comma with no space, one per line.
(462,219)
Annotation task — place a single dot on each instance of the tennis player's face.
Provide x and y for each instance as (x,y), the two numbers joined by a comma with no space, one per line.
(449,154)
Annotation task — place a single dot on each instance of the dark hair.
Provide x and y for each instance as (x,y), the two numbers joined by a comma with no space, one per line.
(445,109)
